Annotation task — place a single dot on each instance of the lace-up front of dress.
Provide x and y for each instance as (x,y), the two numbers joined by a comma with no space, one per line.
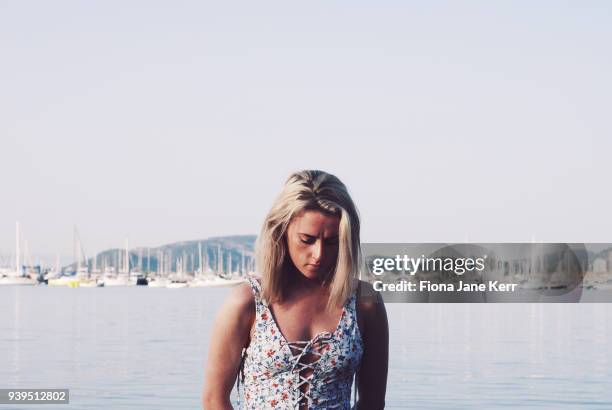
(313,374)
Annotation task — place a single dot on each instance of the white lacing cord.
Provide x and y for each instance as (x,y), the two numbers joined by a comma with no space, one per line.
(306,347)
(356,378)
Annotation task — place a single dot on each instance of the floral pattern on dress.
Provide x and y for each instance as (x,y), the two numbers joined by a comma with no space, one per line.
(272,373)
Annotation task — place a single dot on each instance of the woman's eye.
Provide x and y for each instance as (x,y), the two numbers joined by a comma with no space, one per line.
(308,241)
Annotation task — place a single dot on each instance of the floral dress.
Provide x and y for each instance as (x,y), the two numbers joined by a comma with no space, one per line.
(317,373)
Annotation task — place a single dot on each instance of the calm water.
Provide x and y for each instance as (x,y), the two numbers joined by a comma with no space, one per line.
(141,348)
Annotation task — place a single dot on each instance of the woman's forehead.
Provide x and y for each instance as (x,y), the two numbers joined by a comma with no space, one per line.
(313,222)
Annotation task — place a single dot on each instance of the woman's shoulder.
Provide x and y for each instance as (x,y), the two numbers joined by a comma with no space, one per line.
(241,299)
(237,314)
(365,289)
(371,312)
(368,299)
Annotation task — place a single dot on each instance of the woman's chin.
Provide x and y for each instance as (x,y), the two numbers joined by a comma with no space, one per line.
(313,273)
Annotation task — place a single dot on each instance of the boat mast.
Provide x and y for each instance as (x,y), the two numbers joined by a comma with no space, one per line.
(140,269)
(17,256)
(201,269)
(75,250)
(161,260)
(242,266)
(206,261)
(126,262)
(57,264)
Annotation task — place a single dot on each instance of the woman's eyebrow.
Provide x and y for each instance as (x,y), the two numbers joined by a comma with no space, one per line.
(307,234)
(315,236)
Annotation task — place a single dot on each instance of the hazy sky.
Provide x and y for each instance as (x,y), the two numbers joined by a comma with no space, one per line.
(167,121)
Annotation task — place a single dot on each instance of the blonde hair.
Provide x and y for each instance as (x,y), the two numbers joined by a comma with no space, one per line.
(309,190)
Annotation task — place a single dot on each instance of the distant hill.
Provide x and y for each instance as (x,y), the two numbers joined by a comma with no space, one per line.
(217,254)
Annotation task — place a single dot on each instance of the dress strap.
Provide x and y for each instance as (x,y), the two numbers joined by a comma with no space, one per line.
(255,285)
(259,306)
(352,308)
(256,288)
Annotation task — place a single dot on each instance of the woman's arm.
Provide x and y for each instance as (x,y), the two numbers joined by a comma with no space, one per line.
(372,377)
(229,336)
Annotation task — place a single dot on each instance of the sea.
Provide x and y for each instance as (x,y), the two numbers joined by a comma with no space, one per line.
(145,348)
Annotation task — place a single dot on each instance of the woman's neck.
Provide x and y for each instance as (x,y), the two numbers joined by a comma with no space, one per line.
(298,280)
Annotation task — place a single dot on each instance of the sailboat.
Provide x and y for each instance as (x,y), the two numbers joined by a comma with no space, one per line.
(81,276)
(160,280)
(210,279)
(16,277)
(179,280)
(121,279)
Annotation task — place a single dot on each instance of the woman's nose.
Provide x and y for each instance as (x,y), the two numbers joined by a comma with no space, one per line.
(317,250)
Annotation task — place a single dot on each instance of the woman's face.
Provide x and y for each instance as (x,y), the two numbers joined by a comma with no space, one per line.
(312,241)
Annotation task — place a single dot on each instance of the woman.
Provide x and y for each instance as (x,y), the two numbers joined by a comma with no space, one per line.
(306,326)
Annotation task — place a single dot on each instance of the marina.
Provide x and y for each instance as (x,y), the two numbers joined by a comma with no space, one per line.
(228,261)
(188,264)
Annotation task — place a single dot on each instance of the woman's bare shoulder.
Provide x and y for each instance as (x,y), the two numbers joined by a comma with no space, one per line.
(238,309)
(241,300)
(369,300)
